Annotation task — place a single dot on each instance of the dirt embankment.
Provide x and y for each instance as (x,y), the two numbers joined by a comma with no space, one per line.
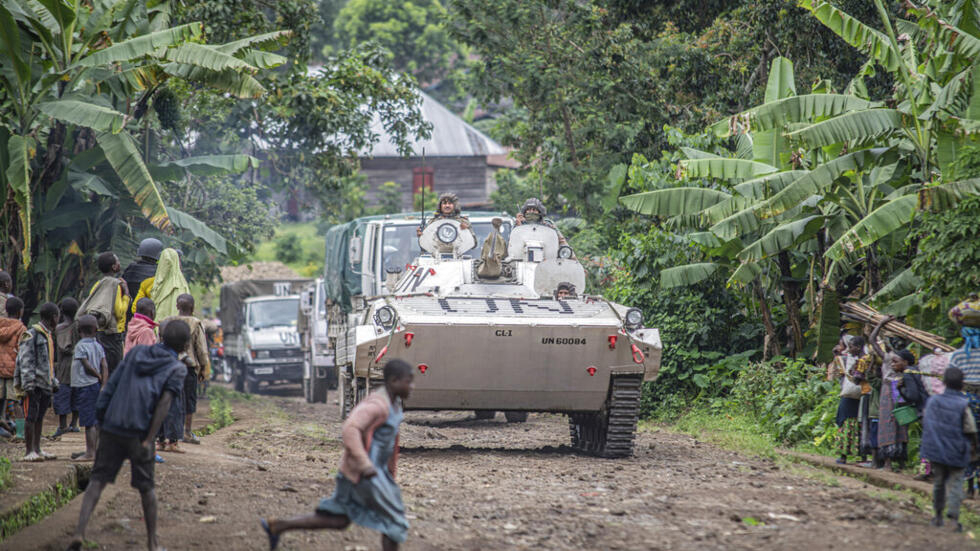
(472,484)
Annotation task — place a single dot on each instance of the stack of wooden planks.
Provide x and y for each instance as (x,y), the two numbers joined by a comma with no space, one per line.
(857,311)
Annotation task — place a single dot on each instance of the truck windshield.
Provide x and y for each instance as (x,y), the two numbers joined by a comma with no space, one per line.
(400,244)
(272,313)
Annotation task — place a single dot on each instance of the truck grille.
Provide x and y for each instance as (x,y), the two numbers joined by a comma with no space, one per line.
(286,353)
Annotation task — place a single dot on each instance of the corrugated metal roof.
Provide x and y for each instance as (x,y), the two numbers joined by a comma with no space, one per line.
(451,136)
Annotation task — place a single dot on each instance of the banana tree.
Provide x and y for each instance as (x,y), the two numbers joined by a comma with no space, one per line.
(76,82)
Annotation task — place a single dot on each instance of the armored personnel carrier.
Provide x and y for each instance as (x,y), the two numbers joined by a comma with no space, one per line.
(502,339)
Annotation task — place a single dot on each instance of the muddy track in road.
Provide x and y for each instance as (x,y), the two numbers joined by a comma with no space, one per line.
(473,485)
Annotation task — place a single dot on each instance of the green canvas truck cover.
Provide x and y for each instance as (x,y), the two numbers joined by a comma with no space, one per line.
(233,296)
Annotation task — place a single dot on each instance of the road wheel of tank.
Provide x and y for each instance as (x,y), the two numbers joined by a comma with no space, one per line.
(252,385)
(516,416)
(610,433)
(238,376)
(485,414)
(318,390)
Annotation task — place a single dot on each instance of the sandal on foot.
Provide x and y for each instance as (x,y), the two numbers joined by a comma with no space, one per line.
(273,538)
(57,433)
(174,448)
(32,458)
(191,438)
(48,456)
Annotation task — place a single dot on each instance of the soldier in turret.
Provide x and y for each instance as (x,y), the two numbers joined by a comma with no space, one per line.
(565,291)
(533,212)
(448,209)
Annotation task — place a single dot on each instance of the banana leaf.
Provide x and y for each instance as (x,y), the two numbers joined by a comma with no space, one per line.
(688,274)
(673,201)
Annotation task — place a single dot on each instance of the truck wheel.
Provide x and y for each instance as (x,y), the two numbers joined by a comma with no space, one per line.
(516,416)
(485,414)
(318,390)
(238,376)
(307,393)
(348,395)
(253,386)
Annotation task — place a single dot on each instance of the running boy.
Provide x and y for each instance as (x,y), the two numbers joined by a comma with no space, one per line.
(34,376)
(11,330)
(88,372)
(130,411)
(65,337)
(366,491)
(197,360)
(949,434)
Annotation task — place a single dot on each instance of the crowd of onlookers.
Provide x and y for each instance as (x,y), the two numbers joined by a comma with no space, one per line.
(885,389)
(123,363)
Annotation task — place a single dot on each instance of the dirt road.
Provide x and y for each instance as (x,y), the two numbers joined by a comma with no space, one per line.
(473,485)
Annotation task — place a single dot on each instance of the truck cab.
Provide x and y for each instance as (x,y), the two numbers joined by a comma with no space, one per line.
(260,323)
(319,371)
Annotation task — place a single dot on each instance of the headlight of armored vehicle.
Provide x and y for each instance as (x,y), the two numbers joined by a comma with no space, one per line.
(564,252)
(385,316)
(447,233)
(633,318)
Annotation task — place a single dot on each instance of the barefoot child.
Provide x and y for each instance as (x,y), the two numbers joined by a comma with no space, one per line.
(89,372)
(366,491)
(130,411)
(65,338)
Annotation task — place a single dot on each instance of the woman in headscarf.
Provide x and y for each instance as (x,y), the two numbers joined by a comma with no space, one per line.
(165,286)
(893,438)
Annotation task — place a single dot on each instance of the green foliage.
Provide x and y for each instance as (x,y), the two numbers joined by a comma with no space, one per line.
(219,402)
(792,401)
(595,82)
(431,200)
(413,32)
(389,198)
(709,332)
(5,476)
(37,508)
(288,249)
(512,190)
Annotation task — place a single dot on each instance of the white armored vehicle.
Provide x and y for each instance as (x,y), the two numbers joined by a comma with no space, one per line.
(507,342)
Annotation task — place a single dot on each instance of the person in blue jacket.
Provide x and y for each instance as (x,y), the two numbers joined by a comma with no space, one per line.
(949,437)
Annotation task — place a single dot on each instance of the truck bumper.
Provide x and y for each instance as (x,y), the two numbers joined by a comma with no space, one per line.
(276,372)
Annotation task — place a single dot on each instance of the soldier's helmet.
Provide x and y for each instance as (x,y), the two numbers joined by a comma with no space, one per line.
(534,203)
(150,248)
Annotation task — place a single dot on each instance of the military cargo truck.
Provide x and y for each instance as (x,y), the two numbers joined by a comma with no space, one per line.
(319,372)
(259,321)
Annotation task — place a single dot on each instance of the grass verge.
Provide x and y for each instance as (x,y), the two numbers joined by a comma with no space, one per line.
(5,476)
(220,409)
(43,504)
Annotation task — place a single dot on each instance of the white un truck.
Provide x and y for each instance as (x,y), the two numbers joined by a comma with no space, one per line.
(259,320)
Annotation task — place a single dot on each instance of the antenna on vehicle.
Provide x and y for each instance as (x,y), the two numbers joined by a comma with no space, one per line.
(422,224)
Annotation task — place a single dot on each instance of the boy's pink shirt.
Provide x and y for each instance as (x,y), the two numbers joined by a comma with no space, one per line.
(357,432)
(141,330)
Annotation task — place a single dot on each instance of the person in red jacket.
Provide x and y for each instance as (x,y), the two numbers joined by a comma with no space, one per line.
(11,330)
(366,491)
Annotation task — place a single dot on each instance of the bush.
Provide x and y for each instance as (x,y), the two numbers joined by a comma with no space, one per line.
(288,248)
(792,401)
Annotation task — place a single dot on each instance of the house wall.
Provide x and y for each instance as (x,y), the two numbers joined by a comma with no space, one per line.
(468,177)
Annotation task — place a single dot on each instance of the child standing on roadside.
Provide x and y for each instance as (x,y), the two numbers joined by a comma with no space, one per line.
(196,359)
(88,372)
(366,491)
(65,337)
(949,434)
(34,376)
(141,329)
(11,330)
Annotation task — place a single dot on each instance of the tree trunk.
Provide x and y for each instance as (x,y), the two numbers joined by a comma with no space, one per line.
(791,296)
(770,347)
